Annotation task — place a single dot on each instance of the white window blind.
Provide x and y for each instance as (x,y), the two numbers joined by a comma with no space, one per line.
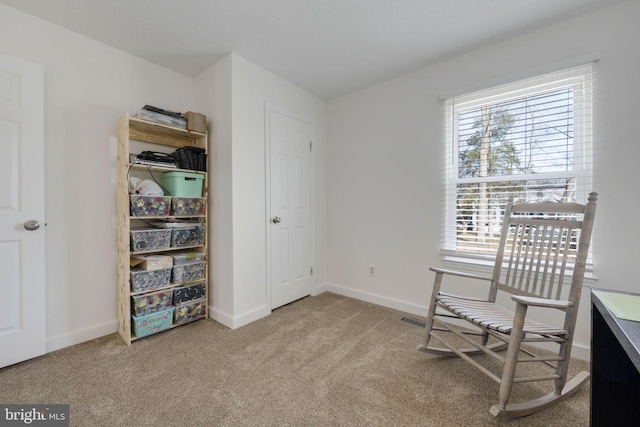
(531,139)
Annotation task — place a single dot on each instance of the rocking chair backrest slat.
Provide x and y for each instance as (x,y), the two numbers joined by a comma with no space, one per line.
(539,257)
(540,244)
(546,208)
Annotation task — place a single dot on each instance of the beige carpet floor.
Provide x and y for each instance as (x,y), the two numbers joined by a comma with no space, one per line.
(321,361)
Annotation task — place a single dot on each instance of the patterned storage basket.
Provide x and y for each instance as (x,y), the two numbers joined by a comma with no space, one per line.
(188,236)
(188,272)
(150,205)
(188,312)
(142,305)
(146,280)
(153,239)
(186,257)
(183,294)
(152,323)
(187,206)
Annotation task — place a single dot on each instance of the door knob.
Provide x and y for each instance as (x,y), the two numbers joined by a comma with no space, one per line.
(276,220)
(31,225)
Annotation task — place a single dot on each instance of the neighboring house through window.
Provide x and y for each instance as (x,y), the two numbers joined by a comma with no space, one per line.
(531,140)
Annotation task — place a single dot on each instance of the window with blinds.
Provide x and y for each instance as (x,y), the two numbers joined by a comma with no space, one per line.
(531,140)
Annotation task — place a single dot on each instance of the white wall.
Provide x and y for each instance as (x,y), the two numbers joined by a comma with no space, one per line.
(252,88)
(234,94)
(214,99)
(88,85)
(377,162)
(385,156)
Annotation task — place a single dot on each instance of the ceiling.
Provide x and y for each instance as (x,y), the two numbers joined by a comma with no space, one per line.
(328,47)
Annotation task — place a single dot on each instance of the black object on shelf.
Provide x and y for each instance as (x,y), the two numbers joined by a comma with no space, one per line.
(155,158)
(162,111)
(193,158)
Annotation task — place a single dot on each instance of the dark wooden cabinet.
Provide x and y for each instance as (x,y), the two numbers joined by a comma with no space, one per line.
(615,368)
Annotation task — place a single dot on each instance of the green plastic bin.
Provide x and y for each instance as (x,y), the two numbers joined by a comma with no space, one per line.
(183,184)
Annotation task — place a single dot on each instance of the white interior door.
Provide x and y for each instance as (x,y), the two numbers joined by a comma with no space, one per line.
(22,290)
(290,200)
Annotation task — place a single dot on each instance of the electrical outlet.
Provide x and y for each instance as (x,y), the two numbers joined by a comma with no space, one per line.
(372,270)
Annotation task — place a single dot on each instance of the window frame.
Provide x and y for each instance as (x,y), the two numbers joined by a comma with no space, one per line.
(582,80)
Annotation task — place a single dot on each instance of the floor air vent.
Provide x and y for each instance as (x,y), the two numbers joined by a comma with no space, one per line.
(413,322)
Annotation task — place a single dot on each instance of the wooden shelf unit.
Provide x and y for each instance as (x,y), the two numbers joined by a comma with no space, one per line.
(128,129)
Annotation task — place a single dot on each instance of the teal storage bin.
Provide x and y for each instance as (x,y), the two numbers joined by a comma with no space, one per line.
(152,323)
(183,184)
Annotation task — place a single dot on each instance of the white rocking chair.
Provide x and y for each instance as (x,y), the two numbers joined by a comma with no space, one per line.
(540,243)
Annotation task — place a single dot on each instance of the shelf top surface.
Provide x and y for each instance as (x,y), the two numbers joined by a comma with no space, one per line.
(148,126)
(145,166)
(626,331)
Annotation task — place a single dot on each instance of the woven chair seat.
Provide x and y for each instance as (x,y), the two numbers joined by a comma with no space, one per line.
(491,315)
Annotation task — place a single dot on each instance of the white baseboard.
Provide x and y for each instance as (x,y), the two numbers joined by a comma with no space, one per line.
(221,317)
(88,334)
(581,352)
(61,341)
(77,337)
(317,290)
(396,304)
(239,321)
(578,351)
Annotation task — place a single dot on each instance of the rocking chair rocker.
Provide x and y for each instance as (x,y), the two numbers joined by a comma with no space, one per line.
(540,243)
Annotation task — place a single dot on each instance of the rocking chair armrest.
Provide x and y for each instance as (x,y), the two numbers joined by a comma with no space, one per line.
(459,273)
(542,302)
